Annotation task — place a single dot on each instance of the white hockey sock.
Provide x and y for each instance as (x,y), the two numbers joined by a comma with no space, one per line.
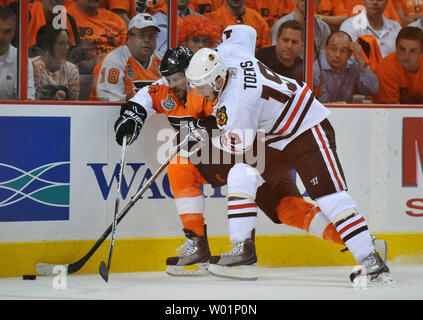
(353,230)
(242,215)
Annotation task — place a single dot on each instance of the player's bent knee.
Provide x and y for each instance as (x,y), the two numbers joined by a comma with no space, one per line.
(295,211)
(185,180)
(336,205)
(244,180)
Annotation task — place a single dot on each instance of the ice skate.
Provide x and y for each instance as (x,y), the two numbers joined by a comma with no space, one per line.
(239,263)
(194,252)
(381,247)
(373,272)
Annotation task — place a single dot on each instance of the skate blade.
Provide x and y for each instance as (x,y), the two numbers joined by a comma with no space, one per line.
(238,273)
(199,269)
(384,280)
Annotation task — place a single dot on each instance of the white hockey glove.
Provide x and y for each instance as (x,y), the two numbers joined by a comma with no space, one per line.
(130,122)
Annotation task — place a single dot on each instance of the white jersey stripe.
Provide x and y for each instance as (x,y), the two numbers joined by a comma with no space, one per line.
(328,157)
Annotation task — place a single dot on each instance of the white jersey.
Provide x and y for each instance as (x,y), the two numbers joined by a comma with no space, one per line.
(256,98)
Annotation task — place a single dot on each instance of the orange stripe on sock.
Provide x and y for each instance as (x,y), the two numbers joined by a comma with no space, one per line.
(193,222)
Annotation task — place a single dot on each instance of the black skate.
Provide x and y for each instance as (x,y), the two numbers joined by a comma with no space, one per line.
(239,263)
(195,251)
(373,272)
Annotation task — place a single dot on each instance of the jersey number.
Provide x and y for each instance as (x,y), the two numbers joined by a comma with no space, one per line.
(268,92)
(113,76)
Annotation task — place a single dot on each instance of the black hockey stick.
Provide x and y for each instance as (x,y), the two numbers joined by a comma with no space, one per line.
(104,269)
(47,269)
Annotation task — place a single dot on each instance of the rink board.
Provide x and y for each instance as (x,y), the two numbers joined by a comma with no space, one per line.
(58,169)
(133,255)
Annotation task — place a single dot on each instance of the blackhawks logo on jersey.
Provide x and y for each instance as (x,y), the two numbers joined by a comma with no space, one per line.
(221,116)
(168,104)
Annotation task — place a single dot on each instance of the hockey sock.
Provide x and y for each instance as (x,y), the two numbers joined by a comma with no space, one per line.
(242,214)
(298,213)
(193,222)
(352,227)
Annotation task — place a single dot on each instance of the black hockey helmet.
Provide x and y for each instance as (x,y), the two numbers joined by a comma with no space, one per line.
(175,60)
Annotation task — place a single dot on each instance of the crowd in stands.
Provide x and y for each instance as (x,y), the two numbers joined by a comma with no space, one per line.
(106,50)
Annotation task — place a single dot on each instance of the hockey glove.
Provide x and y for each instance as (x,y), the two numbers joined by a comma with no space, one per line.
(130,122)
(196,131)
(208,124)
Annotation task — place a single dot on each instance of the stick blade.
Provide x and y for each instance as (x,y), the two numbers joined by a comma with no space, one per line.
(104,271)
(48,269)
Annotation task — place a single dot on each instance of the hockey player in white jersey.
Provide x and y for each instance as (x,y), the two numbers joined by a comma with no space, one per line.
(250,97)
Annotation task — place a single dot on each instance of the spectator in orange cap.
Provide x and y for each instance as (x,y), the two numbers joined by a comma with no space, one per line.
(198,32)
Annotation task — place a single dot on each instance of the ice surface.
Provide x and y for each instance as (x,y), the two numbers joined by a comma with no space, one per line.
(294,283)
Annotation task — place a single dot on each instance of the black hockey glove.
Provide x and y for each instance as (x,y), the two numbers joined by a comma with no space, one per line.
(199,127)
(130,122)
(208,124)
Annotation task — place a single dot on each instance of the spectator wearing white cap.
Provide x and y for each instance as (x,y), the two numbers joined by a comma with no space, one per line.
(125,70)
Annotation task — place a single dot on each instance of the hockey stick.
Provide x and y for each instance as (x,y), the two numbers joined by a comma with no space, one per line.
(47,269)
(103,269)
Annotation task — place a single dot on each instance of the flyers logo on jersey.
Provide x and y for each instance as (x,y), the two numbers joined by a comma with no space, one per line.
(168,104)
(221,116)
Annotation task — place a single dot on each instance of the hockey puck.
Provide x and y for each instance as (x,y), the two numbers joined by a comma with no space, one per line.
(29,277)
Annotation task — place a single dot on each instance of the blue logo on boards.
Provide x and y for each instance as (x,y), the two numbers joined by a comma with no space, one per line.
(34,168)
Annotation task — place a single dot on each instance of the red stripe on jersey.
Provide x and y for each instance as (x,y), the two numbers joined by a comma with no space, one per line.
(325,148)
(350,225)
(294,112)
(242,206)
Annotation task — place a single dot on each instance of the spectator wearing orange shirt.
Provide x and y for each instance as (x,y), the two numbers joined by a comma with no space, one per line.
(401,73)
(205,6)
(408,10)
(271,10)
(41,13)
(6,2)
(332,12)
(235,12)
(100,31)
(124,9)
(197,32)
(149,6)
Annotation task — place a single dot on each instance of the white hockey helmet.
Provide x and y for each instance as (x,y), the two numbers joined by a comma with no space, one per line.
(204,68)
